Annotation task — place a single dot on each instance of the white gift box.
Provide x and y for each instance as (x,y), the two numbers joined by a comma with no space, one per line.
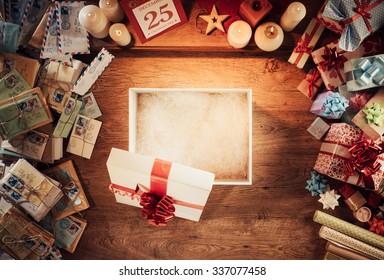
(208,129)
(188,187)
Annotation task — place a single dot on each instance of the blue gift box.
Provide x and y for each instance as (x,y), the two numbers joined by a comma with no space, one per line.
(360,18)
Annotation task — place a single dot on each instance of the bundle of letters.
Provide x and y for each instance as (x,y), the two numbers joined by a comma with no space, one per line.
(46,106)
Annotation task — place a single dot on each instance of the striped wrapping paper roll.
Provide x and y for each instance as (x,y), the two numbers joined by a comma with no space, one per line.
(353,243)
(349,229)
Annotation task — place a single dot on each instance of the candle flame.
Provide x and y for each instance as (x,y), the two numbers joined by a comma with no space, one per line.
(270,32)
(89,14)
(118,33)
(297,8)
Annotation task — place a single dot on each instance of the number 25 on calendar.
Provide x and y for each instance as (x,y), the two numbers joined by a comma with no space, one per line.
(157,16)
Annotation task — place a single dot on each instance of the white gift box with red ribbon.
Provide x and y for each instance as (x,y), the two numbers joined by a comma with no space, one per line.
(189,188)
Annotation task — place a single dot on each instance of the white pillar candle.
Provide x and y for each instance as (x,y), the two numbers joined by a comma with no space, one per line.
(292,16)
(269,36)
(112,9)
(239,34)
(94,21)
(120,34)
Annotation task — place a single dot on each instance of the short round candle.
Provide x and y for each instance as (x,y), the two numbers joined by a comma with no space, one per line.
(269,36)
(239,34)
(120,34)
(112,10)
(292,16)
(94,21)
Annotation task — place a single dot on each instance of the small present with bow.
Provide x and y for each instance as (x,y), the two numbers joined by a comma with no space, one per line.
(365,72)
(370,118)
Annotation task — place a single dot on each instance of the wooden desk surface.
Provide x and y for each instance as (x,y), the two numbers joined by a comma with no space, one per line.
(272,219)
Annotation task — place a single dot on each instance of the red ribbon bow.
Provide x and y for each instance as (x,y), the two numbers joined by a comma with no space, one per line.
(332,59)
(156,209)
(312,79)
(303,45)
(364,160)
(376,226)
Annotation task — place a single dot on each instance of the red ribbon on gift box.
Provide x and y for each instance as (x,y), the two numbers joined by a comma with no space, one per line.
(312,78)
(333,60)
(158,207)
(364,161)
(362,10)
(303,44)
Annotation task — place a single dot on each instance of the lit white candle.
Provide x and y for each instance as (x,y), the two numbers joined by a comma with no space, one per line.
(94,21)
(239,34)
(269,36)
(112,9)
(292,16)
(120,34)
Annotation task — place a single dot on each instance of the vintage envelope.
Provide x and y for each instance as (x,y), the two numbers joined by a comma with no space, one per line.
(74,199)
(27,67)
(58,82)
(66,232)
(37,38)
(31,144)
(84,136)
(33,15)
(22,113)
(31,240)
(90,108)
(50,46)
(28,182)
(12,84)
(93,71)
(72,36)
(67,118)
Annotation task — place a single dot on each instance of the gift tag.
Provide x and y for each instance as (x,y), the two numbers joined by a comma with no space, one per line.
(93,71)
(72,36)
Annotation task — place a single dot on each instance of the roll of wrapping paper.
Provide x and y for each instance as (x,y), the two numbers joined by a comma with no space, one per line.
(344,252)
(349,229)
(353,243)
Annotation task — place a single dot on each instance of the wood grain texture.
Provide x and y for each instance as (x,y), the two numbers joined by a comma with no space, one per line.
(272,219)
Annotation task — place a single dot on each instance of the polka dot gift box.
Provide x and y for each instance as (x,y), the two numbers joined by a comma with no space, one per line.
(339,157)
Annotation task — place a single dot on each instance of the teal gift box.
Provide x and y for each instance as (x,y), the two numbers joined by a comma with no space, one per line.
(364,73)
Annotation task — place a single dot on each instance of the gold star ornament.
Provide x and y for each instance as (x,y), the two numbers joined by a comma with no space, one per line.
(214,20)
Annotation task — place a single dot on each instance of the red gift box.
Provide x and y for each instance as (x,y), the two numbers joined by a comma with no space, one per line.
(311,84)
(334,158)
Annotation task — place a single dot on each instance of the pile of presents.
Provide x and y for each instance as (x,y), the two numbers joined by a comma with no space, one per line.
(347,89)
(46,104)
